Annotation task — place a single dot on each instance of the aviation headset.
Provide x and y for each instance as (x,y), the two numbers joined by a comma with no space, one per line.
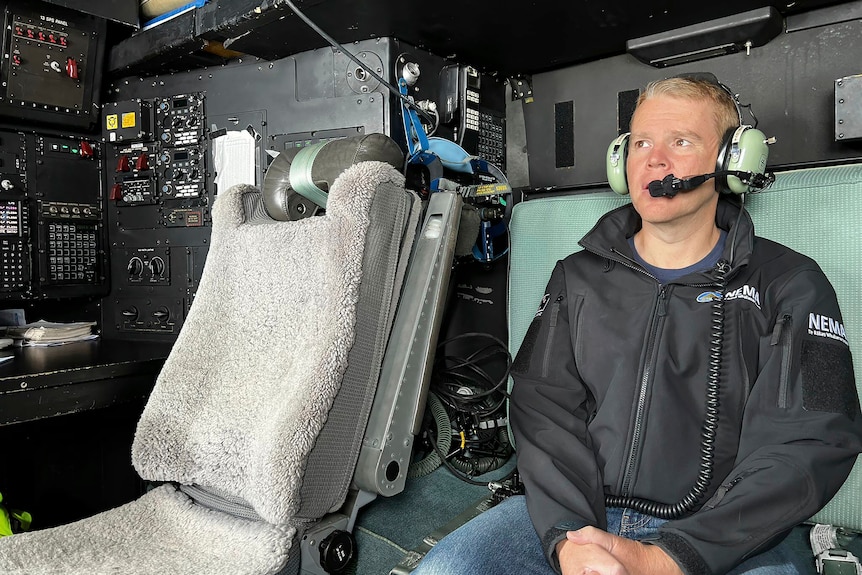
(743,149)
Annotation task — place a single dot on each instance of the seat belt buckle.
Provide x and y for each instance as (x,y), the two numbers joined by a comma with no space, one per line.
(838,562)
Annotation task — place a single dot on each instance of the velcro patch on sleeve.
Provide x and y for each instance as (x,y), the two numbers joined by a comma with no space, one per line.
(525,352)
(827,378)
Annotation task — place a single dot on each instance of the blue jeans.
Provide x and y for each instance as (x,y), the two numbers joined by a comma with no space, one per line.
(502,541)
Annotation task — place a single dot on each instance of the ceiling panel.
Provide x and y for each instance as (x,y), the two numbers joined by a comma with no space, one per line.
(530,37)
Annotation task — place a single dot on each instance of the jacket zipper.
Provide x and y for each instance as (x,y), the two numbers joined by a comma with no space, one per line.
(782,336)
(657,320)
(716,499)
(634,452)
(555,311)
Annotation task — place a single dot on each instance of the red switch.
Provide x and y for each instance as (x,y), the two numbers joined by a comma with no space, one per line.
(116,192)
(123,164)
(86,149)
(72,68)
(142,163)
(16,59)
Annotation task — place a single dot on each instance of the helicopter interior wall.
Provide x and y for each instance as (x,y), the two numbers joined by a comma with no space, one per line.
(789,82)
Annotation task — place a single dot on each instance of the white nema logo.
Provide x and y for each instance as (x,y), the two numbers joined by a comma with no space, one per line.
(825,326)
(746,292)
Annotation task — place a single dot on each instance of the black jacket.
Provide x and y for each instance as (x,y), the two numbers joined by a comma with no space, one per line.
(610,393)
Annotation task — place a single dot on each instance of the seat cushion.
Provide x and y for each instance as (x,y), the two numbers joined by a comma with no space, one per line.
(161,532)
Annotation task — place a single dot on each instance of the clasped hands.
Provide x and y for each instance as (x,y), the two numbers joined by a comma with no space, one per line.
(589,551)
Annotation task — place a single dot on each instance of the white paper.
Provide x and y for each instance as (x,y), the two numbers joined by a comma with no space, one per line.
(233,159)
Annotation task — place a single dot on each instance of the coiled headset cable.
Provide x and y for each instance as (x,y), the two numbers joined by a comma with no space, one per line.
(710,423)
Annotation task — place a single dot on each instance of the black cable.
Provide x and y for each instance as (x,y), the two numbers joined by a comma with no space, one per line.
(710,423)
(482,462)
(444,458)
(475,357)
(474,399)
(477,372)
(404,99)
(443,425)
(736,225)
(750,113)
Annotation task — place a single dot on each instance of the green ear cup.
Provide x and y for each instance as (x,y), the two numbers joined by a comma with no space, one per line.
(616,164)
(748,153)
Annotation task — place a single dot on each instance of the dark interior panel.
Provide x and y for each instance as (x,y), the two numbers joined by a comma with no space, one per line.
(789,83)
(522,39)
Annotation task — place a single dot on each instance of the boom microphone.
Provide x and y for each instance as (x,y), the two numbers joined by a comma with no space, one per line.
(670,185)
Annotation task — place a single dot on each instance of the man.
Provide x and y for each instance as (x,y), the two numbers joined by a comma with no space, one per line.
(659,428)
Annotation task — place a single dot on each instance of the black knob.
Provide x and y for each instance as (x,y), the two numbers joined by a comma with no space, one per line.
(157,267)
(336,551)
(135,267)
(130,313)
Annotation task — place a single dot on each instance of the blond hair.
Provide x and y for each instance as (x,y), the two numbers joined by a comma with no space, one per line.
(724,108)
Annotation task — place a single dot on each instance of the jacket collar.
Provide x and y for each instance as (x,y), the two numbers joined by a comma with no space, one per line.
(609,237)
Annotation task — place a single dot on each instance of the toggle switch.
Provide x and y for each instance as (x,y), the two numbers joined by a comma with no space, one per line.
(72,68)
(142,163)
(86,150)
(123,164)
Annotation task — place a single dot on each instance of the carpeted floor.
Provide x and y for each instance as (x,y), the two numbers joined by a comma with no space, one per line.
(390,527)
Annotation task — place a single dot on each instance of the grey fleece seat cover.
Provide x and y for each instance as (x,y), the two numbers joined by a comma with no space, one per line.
(241,402)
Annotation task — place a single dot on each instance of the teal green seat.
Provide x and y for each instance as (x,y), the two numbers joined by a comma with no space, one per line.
(816,211)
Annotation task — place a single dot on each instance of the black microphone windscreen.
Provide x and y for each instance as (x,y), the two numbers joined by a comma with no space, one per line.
(655,188)
(663,188)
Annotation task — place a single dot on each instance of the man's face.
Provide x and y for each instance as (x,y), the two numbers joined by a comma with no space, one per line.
(672,136)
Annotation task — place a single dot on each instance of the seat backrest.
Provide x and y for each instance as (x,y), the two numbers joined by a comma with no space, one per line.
(817,212)
(814,211)
(265,395)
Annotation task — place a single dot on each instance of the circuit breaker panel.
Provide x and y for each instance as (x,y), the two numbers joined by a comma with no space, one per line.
(52,64)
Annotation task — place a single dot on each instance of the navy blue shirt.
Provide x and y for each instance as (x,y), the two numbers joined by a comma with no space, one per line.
(665,276)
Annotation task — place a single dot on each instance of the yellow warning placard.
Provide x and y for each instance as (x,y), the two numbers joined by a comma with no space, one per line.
(111,121)
(129,120)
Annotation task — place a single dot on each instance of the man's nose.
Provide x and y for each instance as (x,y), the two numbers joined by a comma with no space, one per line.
(658,157)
